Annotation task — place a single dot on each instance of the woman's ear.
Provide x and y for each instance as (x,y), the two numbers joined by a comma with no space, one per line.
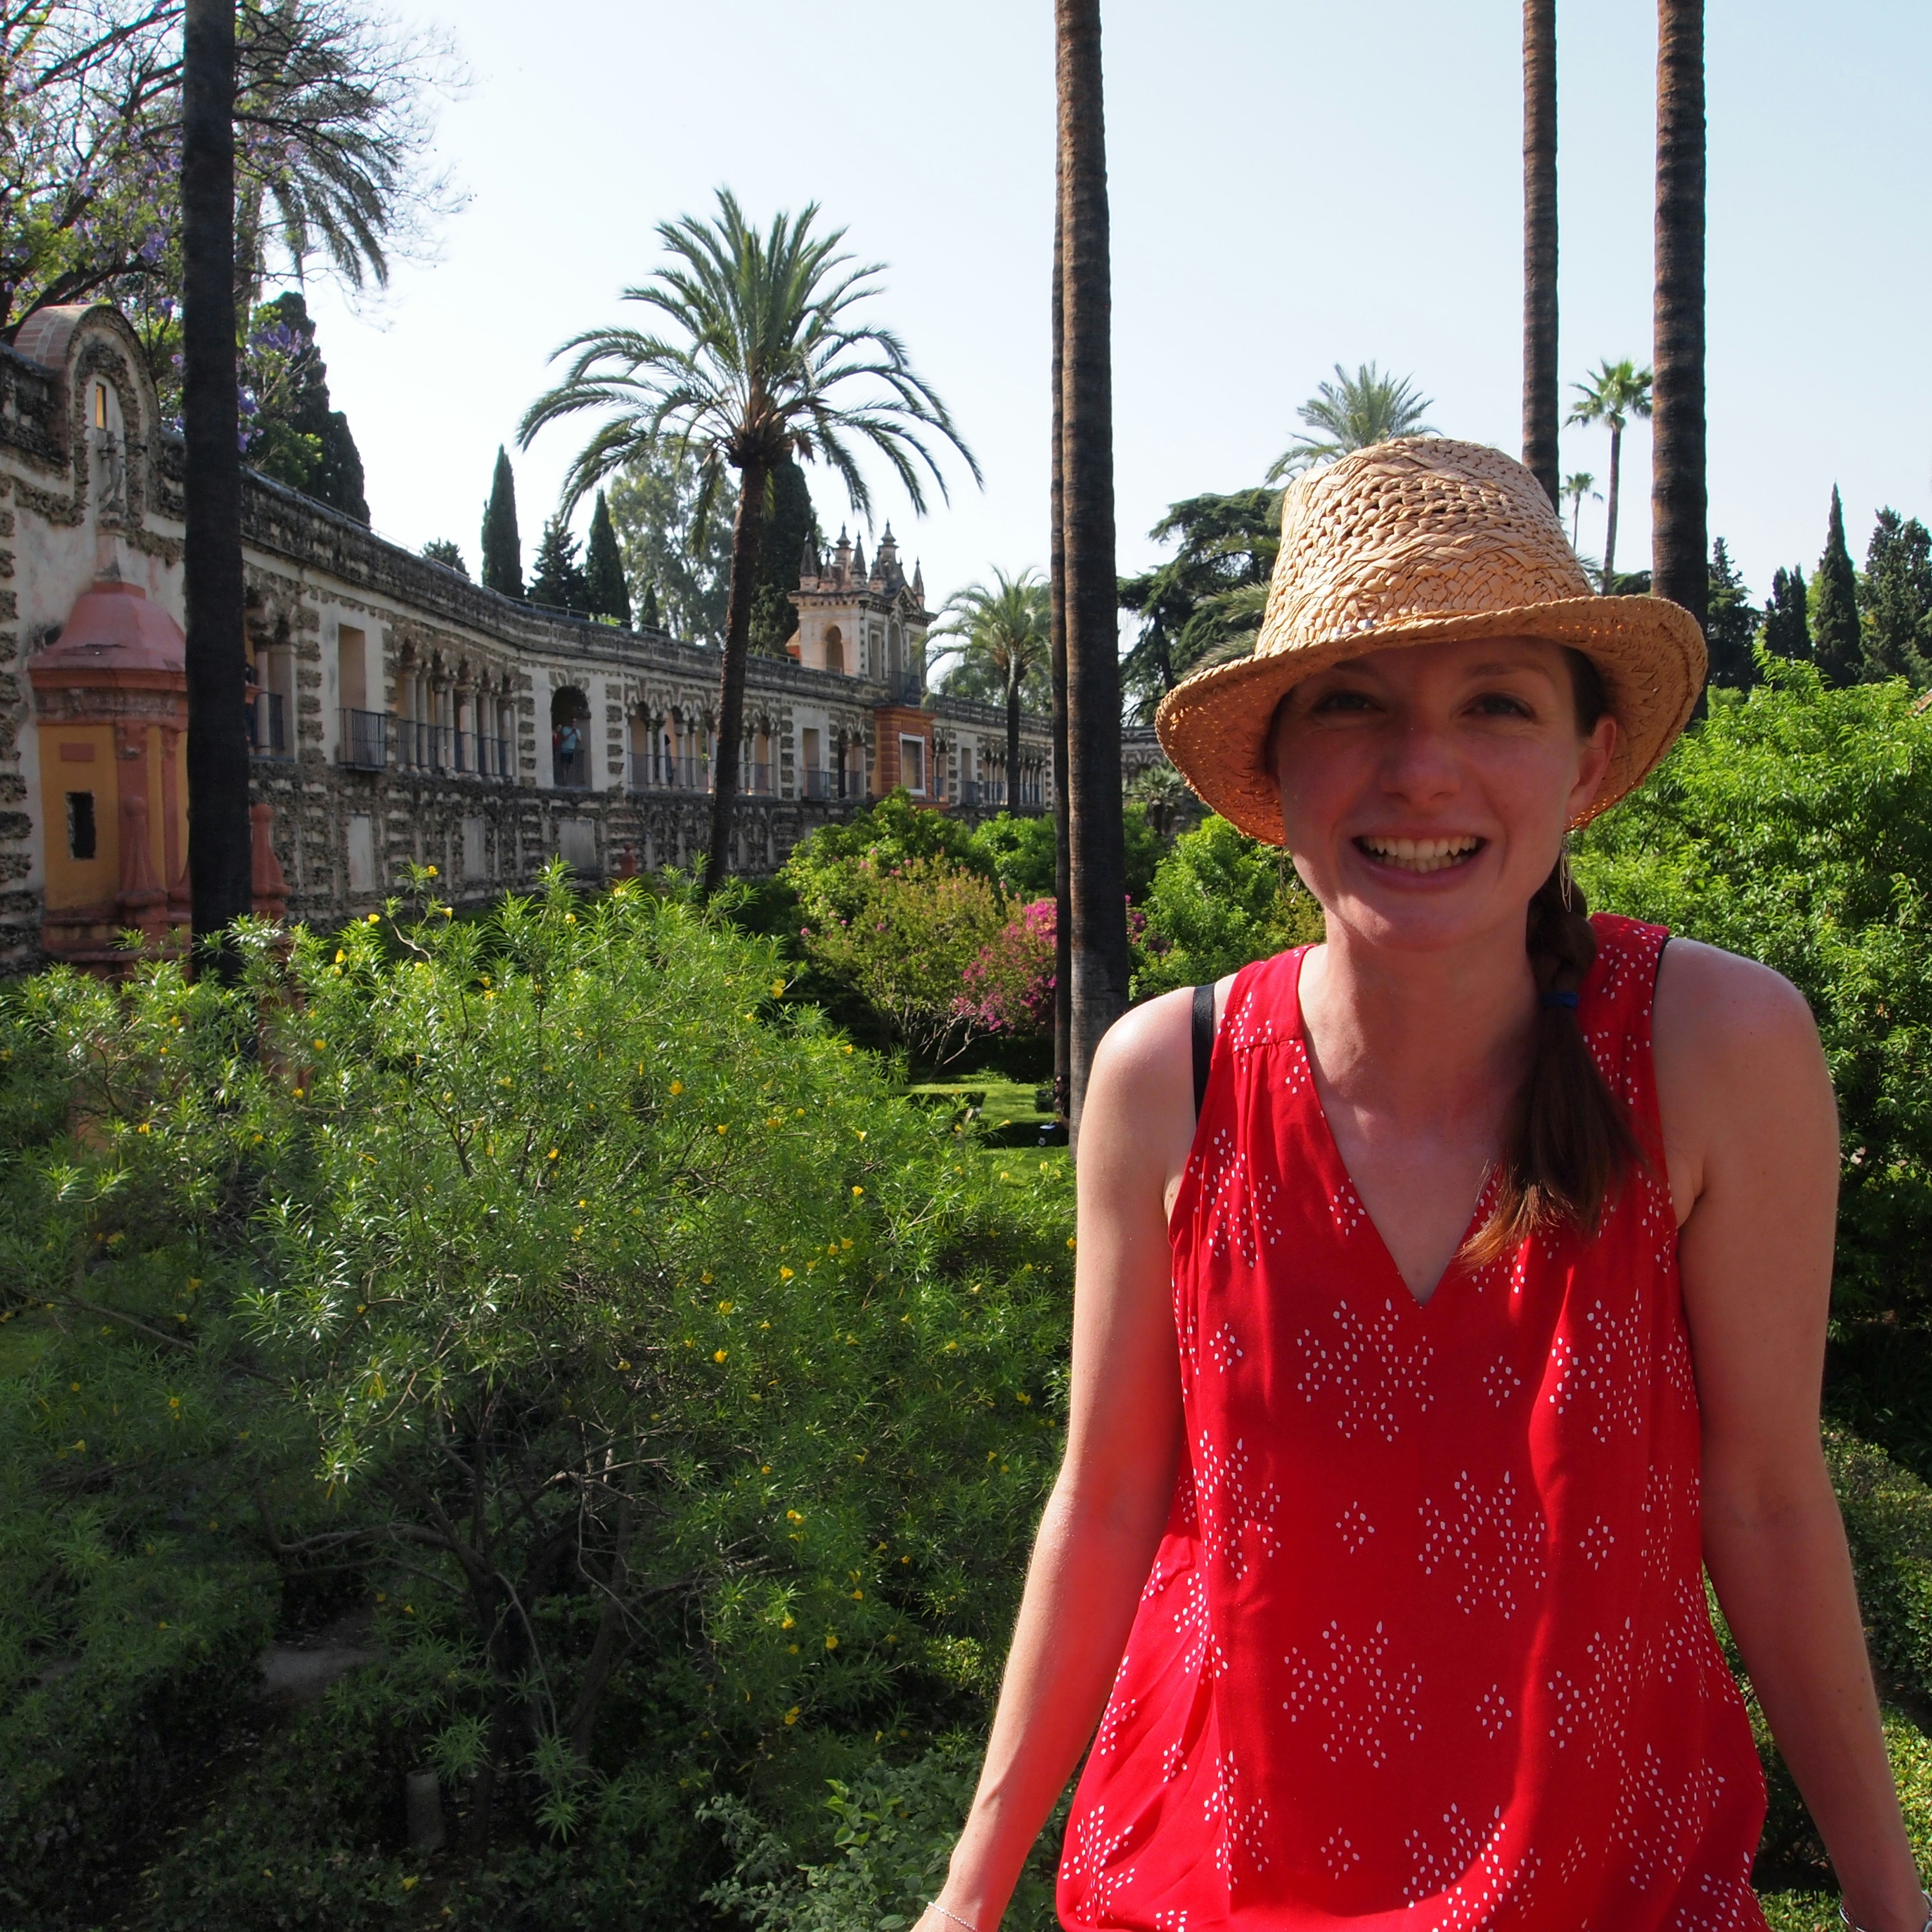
(1598,747)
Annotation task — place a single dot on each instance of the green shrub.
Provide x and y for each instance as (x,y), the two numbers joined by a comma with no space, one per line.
(680,1397)
(1791,826)
(1219,900)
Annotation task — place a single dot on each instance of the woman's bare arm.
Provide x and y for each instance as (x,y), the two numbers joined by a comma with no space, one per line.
(1104,1520)
(1751,1134)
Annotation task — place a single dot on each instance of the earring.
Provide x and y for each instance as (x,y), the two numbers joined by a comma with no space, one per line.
(1566,883)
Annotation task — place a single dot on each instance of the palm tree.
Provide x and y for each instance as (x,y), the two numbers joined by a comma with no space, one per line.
(1354,412)
(1579,486)
(764,358)
(1615,393)
(219,842)
(1096,835)
(1680,550)
(1005,634)
(1542,404)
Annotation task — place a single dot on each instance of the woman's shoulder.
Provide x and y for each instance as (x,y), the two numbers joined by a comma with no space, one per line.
(1725,1003)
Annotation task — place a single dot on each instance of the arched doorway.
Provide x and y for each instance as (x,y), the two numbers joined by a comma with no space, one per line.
(570,739)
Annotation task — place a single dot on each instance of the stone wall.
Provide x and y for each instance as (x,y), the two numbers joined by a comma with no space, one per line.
(407,715)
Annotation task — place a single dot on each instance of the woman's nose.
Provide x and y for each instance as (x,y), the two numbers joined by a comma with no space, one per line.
(1419,764)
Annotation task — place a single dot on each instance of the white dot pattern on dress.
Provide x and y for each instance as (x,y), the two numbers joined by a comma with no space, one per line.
(1365,1705)
(1233,1513)
(1373,1373)
(1087,1859)
(1602,1365)
(1492,1539)
(1493,1711)
(1356,1528)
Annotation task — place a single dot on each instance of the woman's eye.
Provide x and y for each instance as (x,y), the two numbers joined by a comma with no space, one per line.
(1500,704)
(1340,700)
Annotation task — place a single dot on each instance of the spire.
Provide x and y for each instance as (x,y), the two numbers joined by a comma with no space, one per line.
(919,584)
(808,564)
(843,554)
(858,562)
(886,565)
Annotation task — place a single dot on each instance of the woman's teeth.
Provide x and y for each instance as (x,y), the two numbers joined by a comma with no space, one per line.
(1420,855)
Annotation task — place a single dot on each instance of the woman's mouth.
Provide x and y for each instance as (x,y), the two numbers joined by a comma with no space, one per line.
(1422,855)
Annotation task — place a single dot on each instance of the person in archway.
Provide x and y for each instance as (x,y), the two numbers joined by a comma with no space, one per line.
(1449,1295)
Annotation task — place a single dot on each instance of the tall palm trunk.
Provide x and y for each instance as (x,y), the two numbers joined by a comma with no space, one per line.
(1096,834)
(746,532)
(218,738)
(1678,508)
(1610,521)
(1542,409)
(1062,901)
(1012,730)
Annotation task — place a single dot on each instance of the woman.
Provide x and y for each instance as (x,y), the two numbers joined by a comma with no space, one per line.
(1385,1519)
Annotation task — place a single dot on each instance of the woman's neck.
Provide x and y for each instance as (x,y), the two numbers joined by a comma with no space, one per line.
(1429,1037)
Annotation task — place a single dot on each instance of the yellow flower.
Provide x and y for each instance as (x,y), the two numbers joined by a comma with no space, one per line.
(792,1516)
(719,1354)
(845,1241)
(1069,1241)
(856,1191)
(375,918)
(321,1045)
(299,1093)
(570,918)
(778,989)
(764,1468)
(848,1049)
(784,1274)
(551,1155)
(791,1716)
(622,1363)
(430,870)
(858,1596)
(677,1087)
(706,1278)
(143,1128)
(721,1127)
(339,955)
(831,1640)
(725,1307)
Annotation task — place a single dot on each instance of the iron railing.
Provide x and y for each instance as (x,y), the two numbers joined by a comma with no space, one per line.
(367,739)
(659,771)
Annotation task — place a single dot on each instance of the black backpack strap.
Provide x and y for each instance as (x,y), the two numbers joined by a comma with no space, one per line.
(1204,1042)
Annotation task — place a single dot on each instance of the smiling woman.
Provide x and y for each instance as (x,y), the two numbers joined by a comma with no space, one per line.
(1449,1294)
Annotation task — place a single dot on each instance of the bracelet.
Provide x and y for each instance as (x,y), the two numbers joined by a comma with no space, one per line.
(1845,1918)
(936,1906)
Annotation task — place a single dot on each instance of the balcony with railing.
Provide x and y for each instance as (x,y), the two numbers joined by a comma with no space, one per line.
(818,783)
(420,746)
(659,771)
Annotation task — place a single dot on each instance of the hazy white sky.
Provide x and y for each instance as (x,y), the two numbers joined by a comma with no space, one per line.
(1293,184)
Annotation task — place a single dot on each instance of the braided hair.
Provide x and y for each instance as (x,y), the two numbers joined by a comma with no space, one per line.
(1570,1143)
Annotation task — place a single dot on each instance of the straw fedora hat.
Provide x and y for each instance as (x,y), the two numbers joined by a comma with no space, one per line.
(1420,541)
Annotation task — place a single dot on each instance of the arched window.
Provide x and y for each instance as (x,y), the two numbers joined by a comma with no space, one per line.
(834,648)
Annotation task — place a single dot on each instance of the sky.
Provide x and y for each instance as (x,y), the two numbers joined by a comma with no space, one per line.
(1292,185)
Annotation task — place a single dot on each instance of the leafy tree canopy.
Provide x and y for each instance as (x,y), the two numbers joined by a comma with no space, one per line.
(1787,621)
(292,434)
(440,550)
(1897,605)
(999,638)
(681,568)
(1354,412)
(1205,604)
(558,579)
(1731,627)
(790,522)
(333,124)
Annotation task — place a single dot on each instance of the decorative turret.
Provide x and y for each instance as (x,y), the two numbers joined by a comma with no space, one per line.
(843,555)
(808,566)
(858,562)
(919,584)
(886,565)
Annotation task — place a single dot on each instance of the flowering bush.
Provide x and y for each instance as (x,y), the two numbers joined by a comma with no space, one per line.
(673,1398)
(1010,987)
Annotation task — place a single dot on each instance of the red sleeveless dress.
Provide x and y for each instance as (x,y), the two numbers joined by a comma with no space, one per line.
(1425,1645)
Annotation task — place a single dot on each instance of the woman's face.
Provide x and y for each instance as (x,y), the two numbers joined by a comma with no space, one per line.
(1425,790)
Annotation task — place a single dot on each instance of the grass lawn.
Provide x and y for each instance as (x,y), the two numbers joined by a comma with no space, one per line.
(1005,1109)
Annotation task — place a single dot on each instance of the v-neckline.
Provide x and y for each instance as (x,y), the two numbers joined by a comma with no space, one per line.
(1421,1304)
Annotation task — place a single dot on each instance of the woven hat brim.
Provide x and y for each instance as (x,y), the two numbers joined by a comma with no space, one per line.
(1649,651)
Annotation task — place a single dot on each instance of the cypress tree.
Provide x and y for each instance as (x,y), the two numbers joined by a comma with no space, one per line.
(788,521)
(1837,647)
(1787,622)
(604,567)
(1898,598)
(648,619)
(502,549)
(1730,623)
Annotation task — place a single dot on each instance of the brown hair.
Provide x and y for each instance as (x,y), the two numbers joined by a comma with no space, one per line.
(1571,1144)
